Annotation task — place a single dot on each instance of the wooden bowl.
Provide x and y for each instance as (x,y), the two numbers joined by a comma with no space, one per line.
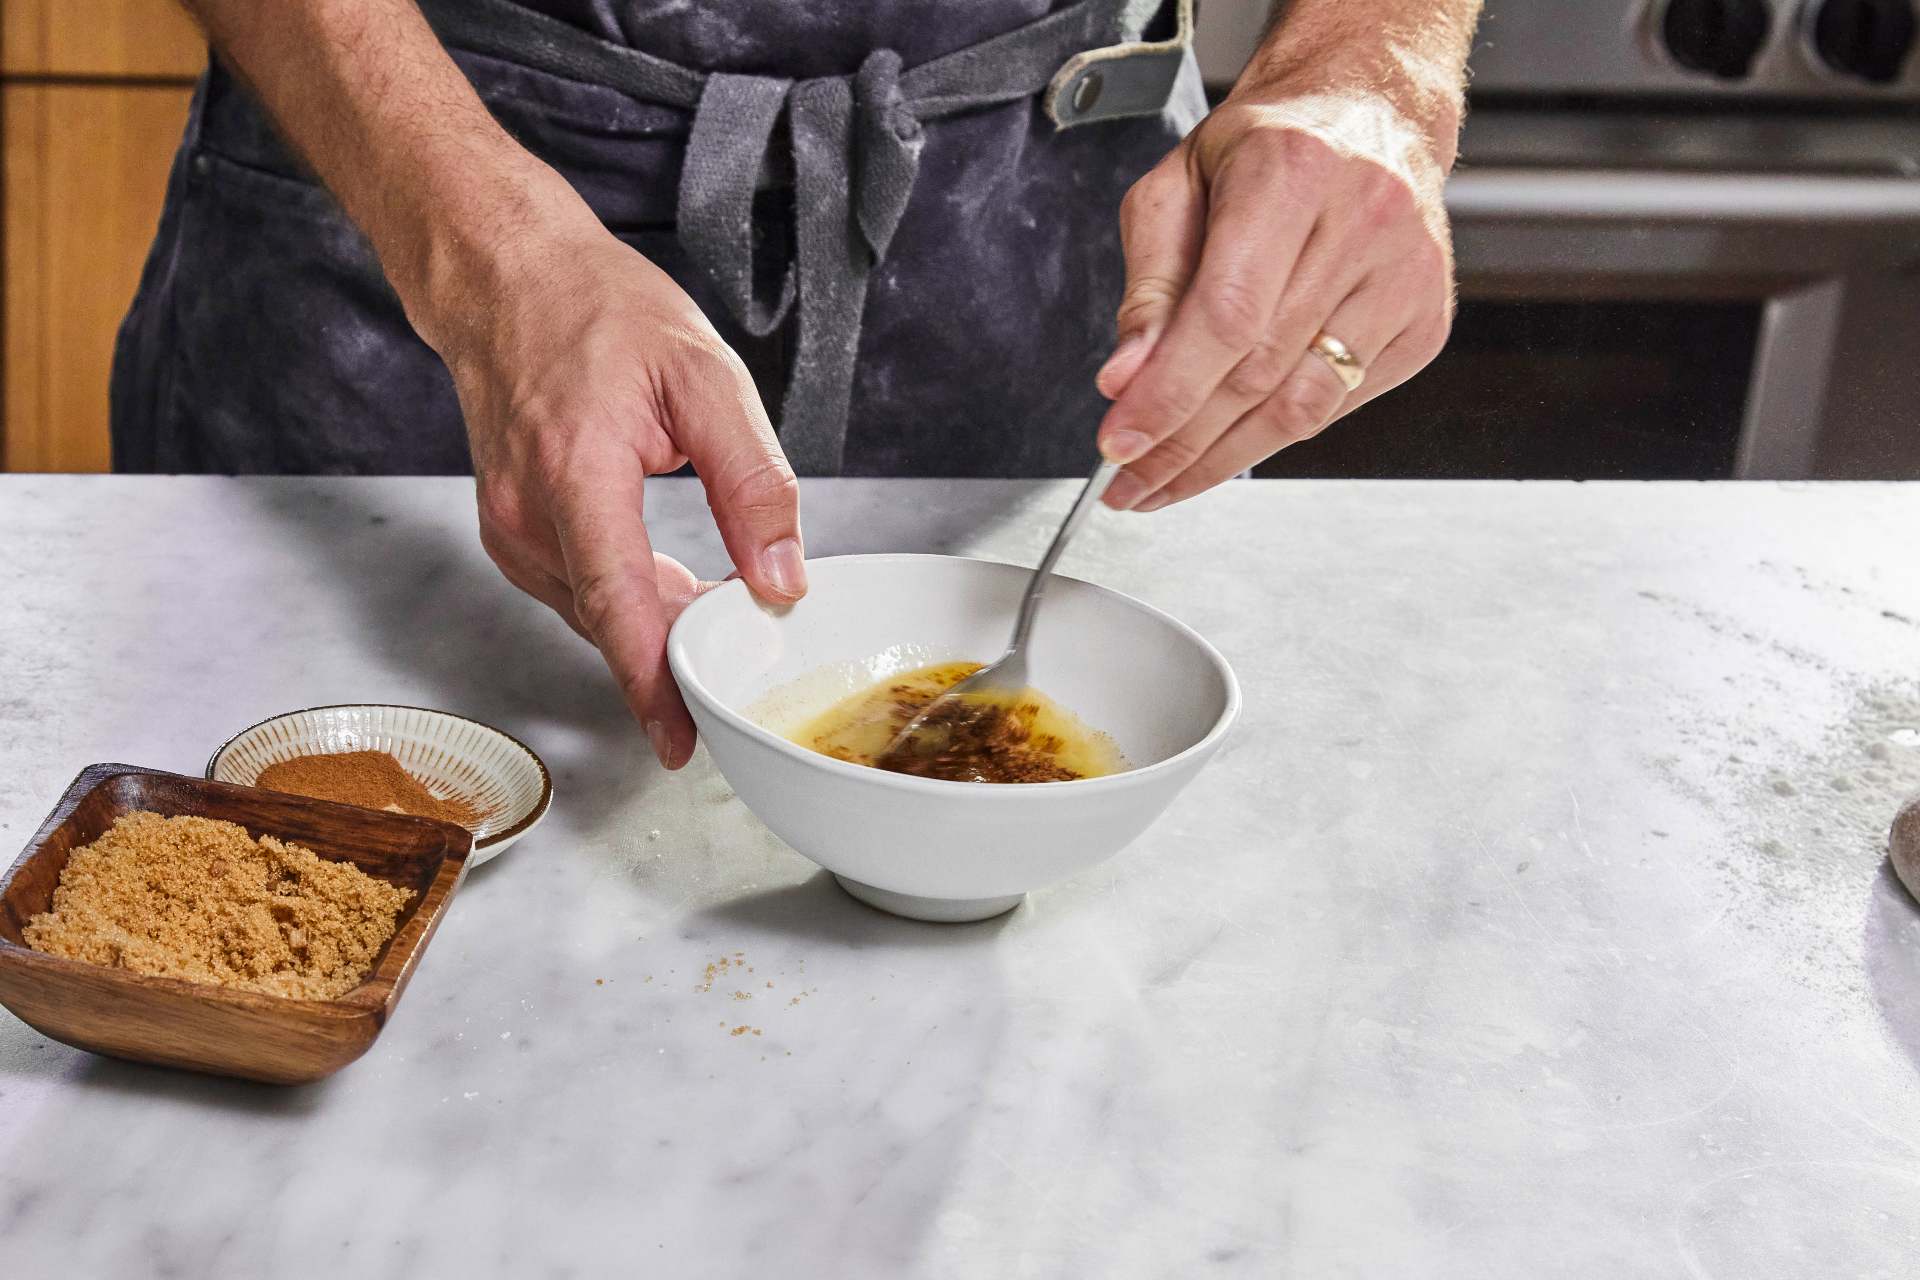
(196,1025)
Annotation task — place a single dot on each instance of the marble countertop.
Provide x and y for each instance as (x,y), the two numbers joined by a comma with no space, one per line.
(1533,923)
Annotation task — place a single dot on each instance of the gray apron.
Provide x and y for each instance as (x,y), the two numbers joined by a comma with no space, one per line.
(906,224)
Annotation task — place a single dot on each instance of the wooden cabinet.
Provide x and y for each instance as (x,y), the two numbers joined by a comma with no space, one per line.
(99,38)
(93,97)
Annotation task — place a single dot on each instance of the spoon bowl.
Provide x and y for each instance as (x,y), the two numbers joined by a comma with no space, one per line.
(992,689)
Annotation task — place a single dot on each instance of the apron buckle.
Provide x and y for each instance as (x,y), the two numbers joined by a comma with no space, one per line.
(1120,80)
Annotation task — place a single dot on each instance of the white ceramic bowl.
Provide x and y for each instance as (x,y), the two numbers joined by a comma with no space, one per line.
(922,847)
(505,782)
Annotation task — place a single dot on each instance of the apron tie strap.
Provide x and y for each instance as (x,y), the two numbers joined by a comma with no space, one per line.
(856,150)
(887,140)
(725,153)
(856,142)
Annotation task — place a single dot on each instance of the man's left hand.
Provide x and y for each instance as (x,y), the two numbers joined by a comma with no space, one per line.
(1283,216)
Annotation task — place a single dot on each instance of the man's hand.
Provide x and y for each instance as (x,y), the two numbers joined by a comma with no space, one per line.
(590,370)
(1309,201)
(582,369)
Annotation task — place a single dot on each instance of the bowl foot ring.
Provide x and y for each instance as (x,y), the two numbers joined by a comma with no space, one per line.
(936,910)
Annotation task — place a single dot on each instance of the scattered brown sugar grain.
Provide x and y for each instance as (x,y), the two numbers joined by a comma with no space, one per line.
(370,779)
(203,901)
(715,970)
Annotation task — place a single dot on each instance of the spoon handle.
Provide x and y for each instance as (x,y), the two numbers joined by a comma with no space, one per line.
(1036,586)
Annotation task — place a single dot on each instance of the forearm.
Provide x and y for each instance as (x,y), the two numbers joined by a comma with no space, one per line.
(365,92)
(1412,52)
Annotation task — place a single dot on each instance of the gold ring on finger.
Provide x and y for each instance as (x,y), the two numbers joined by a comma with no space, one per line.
(1340,358)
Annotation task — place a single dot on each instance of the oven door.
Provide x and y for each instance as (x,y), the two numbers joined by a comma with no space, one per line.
(1662,323)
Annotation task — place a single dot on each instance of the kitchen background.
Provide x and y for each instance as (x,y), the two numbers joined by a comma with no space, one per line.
(1688,235)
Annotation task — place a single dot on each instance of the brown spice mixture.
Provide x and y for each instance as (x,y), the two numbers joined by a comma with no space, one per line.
(975,740)
(370,779)
(203,901)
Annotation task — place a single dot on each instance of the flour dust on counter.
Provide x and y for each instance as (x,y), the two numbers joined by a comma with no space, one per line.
(1809,812)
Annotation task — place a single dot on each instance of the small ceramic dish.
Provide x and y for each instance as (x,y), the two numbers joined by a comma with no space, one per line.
(923,847)
(199,1026)
(497,774)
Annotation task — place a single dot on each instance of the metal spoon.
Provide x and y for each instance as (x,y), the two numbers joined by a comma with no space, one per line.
(1005,678)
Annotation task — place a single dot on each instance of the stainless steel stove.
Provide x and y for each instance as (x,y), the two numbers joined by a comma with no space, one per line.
(1855,51)
(1688,235)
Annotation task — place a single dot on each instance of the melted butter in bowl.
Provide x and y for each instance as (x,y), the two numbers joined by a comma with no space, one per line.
(1030,738)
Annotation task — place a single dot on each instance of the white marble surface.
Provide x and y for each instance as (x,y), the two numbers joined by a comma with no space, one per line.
(1533,923)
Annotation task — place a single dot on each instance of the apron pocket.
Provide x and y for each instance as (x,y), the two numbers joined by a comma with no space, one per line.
(291,354)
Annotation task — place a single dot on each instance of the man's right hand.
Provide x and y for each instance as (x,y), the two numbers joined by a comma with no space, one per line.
(582,369)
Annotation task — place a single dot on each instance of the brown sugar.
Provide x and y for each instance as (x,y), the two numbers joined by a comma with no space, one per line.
(370,779)
(204,901)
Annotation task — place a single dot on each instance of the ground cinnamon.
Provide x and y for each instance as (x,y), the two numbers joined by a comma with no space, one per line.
(370,779)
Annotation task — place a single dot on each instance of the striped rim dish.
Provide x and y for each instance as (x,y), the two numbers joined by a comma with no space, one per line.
(496,774)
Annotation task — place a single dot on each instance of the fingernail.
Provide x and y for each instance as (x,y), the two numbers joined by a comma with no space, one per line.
(662,746)
(785,568)
(1124,446)
(1154,503)
(1125,491)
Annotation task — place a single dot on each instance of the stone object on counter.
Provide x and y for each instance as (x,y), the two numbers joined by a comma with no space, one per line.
(1903,846)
